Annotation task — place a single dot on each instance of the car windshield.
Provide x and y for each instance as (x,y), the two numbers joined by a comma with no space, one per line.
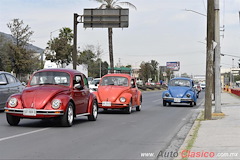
(114,80)
(180,82)
(50,78)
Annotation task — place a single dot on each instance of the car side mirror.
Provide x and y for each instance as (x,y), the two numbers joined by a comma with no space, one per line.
(3,83)
(78,86)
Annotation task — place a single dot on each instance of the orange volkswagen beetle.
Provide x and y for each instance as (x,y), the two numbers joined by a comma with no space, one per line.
(119,91)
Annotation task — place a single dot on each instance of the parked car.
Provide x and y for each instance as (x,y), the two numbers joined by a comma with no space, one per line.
(119,91)
(93,85)
(198,89)
(8,86)
(180,90)
(62,94)
(203,85)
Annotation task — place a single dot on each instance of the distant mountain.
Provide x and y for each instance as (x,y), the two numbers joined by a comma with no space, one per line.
(10,38)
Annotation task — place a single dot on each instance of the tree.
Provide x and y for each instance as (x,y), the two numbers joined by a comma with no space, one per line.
(3,54)
(22,60)
(169,73)
(154,65)
(149,70)
(145,71)
(61,48)
(91,56)
(107,4)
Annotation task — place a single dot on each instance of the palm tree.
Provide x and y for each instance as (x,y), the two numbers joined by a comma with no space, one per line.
(112,4)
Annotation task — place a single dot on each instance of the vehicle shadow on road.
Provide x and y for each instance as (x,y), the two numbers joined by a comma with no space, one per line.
(180,106)
(38,123)
(114,111)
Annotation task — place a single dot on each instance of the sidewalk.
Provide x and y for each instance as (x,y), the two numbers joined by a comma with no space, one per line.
(217,139)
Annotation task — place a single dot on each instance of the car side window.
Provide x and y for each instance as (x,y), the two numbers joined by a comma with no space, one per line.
(133,83)
(85,81)
(2,78)
(77,80)
(10,79)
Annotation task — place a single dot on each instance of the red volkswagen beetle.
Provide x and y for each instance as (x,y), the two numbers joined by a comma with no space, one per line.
(53,93)
(119,91)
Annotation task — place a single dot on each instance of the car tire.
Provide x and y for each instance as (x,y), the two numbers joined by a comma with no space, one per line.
(67,118)
(164,103)
(94,114)
(129,108)
(138,108)
(12,120)
(191,104)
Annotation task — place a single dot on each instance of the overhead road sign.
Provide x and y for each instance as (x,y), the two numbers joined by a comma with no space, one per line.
(105,18)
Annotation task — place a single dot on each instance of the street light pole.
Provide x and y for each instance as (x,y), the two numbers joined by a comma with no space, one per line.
(217,61)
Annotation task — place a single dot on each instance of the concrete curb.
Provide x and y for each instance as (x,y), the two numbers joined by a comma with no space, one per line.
(189,135)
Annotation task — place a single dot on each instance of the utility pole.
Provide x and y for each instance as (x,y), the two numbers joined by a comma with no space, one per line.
(209,60)
(217,60)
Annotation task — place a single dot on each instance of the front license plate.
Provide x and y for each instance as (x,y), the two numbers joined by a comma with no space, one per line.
(29,112)
(177,99)
(106,104)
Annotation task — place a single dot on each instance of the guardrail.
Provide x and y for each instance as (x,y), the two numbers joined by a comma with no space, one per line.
(235,91)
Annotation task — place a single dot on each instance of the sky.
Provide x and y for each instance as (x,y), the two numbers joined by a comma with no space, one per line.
(160,30)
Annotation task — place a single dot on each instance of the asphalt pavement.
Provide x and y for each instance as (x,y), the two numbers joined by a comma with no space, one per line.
(114,136)
(218,138)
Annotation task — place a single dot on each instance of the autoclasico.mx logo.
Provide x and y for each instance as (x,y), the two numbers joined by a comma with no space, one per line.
(190,154)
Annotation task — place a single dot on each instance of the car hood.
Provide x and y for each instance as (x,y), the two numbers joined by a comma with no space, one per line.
(178,92)
(37,97)
(110,93)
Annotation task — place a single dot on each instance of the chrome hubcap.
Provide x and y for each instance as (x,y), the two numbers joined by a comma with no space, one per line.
(70,114)
(95,110)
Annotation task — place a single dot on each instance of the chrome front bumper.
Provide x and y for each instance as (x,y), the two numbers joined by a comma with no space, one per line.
(177,100)
(38,111)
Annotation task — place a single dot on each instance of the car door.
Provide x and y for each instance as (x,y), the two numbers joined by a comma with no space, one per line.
(4,93)
(79,94)
(133,91)
(14,85)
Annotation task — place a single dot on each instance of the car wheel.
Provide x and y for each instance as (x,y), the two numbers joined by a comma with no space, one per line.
(138,108)
(67,118)
(12,120)
(164,103)
(94,114)
(191,104)
(129,108)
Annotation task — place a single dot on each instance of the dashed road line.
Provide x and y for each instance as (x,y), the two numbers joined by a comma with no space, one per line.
(22,134)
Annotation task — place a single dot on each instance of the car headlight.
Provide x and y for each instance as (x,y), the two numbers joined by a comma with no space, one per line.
(13,102)
(167,94)
(122,99)
(188,95)
(56,103)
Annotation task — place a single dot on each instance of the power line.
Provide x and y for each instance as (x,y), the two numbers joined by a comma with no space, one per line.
(223,54)
(204,6)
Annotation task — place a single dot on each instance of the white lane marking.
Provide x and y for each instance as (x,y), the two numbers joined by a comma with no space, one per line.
(22,134)
(156,100)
